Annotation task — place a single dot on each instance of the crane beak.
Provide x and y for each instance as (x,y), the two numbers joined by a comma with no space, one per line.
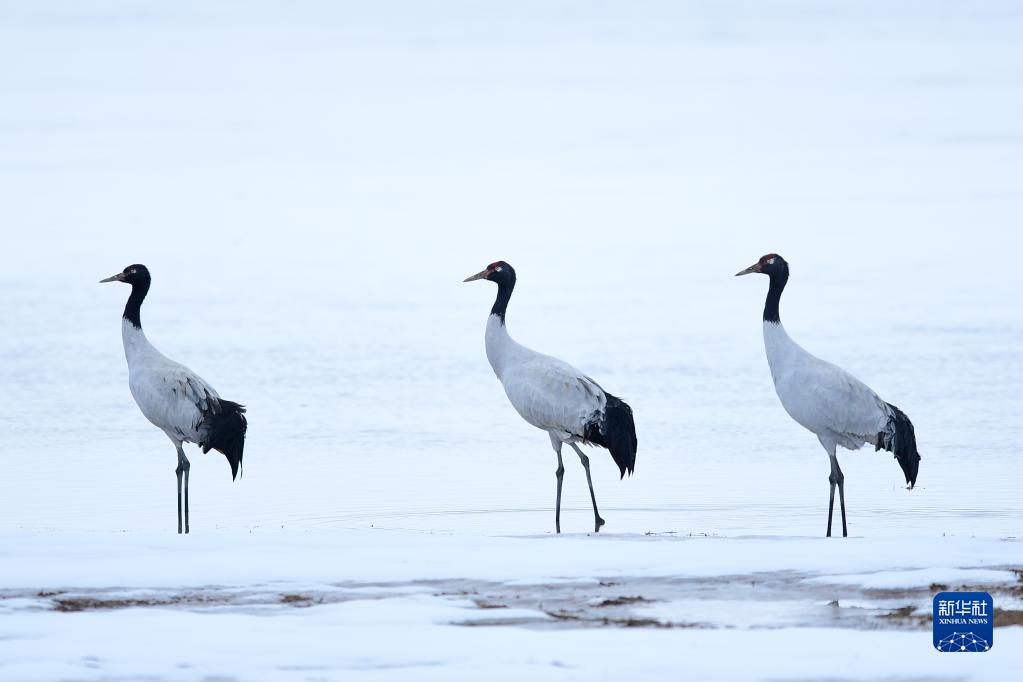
(119,277)
(478,275)
(753,268)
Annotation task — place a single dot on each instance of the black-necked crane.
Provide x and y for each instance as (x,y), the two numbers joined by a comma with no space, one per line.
(556,397)
(174,398)
(826,400)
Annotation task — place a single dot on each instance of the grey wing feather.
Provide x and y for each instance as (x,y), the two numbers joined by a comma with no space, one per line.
(174,398)
(553,395)
(854,412)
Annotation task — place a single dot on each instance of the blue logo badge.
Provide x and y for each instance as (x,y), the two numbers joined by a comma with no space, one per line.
(963,621)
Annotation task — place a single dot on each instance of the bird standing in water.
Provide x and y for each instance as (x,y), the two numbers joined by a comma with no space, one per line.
(174,398)
(826,400)
(556,397)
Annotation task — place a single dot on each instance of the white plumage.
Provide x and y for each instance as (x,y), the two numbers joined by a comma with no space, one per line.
(170,395)
(174,398)
(554,396)
(823,398)
(548,393)
(826,400)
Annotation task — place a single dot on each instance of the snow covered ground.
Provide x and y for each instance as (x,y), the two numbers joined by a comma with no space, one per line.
(313,605)
(309,183)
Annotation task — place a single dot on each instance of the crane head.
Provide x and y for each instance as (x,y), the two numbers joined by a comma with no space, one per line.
(133,274)
(770,264)
(495,272)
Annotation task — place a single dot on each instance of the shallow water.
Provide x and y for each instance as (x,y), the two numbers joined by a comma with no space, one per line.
(318,604)
(310,187)
(755,601)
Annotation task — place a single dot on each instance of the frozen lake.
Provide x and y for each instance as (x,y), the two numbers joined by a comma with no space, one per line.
(309,188)
(309,185)
(392,605)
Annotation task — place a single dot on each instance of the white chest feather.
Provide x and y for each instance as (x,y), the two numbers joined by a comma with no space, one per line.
(547,392)
(502,351)
(820,396)
(169,394)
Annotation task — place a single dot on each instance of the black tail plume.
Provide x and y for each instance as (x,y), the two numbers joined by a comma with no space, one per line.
(899,438)
(224,432)
(616,432)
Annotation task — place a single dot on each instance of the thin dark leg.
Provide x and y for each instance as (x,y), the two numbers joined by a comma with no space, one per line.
(837,478)
(597,521)
(182,471)
(560,473)
(831,507)
(179,471)
(188,465)
(841,498)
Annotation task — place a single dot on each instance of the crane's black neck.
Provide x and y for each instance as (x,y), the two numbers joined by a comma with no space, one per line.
(133,308)
(778,281)
(504,292)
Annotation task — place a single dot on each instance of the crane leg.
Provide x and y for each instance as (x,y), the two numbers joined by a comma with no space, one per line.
(182,471)
(597,521)
(179,471)
(560,474)
(831,508)
(837,478)
(841,501)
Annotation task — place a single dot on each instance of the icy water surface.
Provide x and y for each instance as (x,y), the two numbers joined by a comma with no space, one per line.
(749,602)
(310,186)
(332,604)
